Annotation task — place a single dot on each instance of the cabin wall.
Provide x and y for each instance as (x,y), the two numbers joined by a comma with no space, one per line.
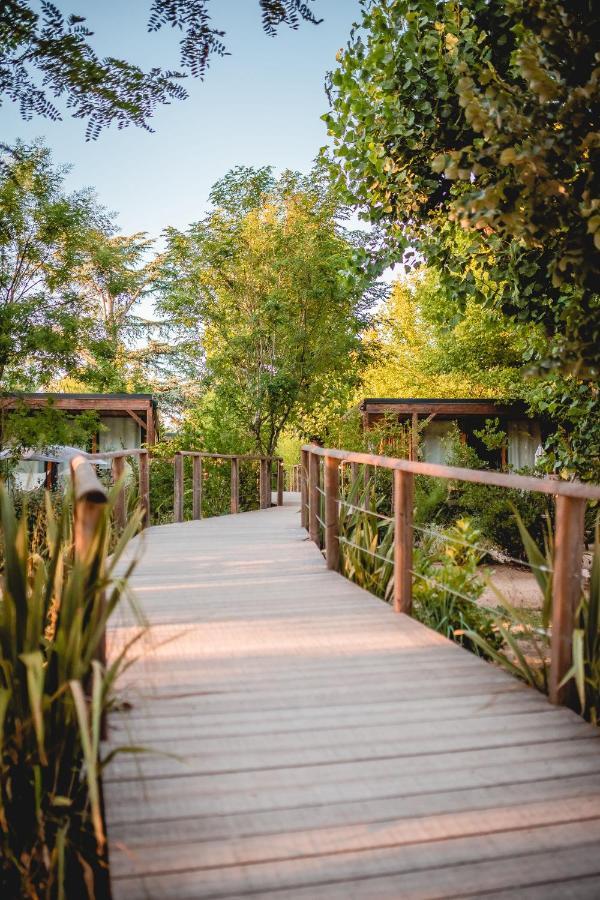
(524,437)
(119,433)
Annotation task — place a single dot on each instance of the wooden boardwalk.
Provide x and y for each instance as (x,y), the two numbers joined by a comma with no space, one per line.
(310,743)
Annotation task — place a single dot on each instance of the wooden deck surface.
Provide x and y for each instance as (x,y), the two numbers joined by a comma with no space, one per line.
(306,742)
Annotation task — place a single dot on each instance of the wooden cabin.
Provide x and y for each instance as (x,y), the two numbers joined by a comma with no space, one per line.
(432,419)
(126,422)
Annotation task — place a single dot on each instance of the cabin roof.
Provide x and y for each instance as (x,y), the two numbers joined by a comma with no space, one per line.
(458,406)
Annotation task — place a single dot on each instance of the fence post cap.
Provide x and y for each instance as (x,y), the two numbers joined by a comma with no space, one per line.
(86,484)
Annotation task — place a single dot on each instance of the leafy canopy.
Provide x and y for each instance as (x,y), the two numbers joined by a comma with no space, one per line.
(44,235)
(432,346)
(48,56)
(276,293)
(483,113)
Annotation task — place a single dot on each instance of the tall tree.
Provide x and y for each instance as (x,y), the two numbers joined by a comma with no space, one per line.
(429,345)
(277,294)
(46,56)
(485,112)
(44,235)
(116,275)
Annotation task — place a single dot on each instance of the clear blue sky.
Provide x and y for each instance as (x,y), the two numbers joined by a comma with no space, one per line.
(259,106)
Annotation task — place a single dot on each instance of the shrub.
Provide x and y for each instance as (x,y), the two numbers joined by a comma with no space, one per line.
(447,584)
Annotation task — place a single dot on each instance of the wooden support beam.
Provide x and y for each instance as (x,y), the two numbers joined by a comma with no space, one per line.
(197,487)
(144,487)
(90,499)
(235,485)
(150,427)
(265,483)
(414,437)
(304,489)
(178,488)
(403,540)
(313,497)
(332,515)
(279,482)
(566,592)
(118,476)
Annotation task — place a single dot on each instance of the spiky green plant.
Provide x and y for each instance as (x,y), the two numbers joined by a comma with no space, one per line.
(366,542)
(586,643)
(53,693)
(448,583)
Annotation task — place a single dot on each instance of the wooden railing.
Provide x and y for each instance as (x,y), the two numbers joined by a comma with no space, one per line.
(570,497)
(294,478)
(265,480)
(119,457)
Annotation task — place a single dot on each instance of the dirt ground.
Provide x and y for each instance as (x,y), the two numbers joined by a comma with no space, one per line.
(516,584)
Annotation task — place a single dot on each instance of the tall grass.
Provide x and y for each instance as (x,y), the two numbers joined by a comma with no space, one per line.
(53,693)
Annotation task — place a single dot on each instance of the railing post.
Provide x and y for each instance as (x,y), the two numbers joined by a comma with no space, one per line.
(304,489)
(265,483)
(403,540)
(235,485)
(279,482)
(566,591)
(313,497)
(332,518)
(144,486)
(89,500)
(118,470)
(178,488)
(197,487)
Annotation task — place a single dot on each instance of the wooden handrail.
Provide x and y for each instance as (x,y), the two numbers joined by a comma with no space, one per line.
(568,542)
(265,462)
(242,456)
(550,486)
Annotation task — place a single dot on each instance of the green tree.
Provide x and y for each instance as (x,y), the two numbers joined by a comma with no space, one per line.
(485,113)
(276,293)
(46,56)
(430,345)
(44,235)
(116,275)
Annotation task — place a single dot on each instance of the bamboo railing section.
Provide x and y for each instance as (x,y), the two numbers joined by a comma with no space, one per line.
(570,498)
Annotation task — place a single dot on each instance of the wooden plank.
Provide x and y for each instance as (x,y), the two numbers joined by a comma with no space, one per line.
(379,408)
(322,743)
(391,808)
(437,868)
(196,756)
